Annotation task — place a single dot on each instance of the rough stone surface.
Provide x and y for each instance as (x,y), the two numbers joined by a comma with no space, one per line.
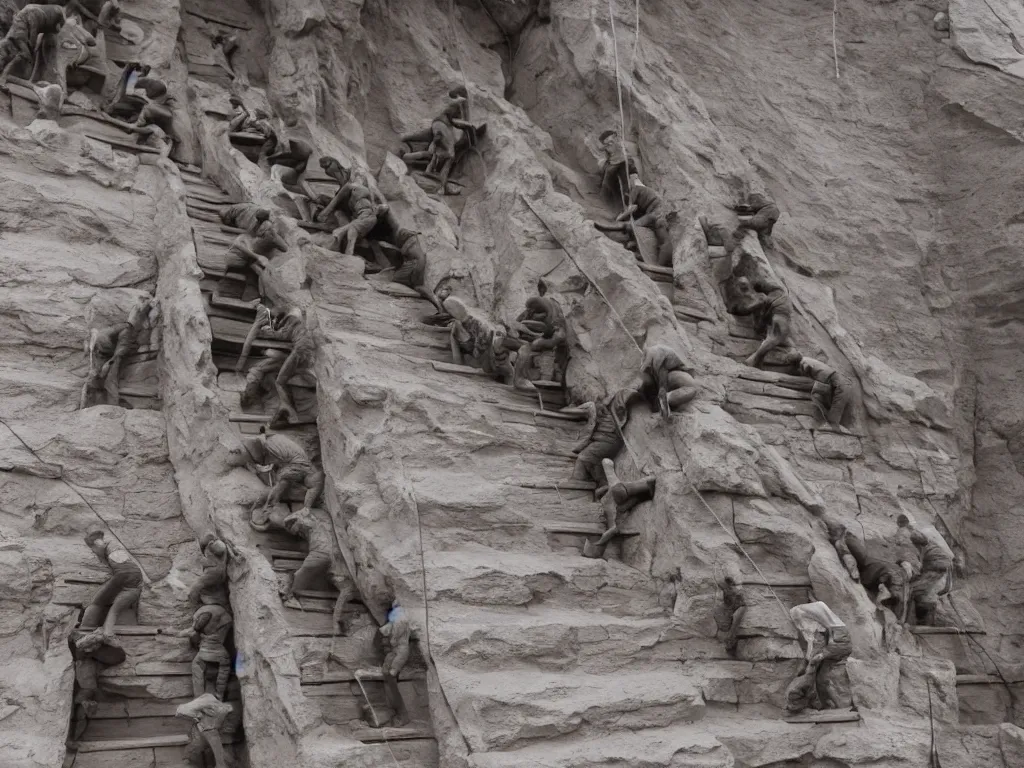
(898,242)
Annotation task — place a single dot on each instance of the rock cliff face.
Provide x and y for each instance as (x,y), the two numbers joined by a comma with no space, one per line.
(898,244)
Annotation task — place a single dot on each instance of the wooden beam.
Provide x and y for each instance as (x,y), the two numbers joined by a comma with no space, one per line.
(985,680)
(233,23)
(779,583)
(123,144)
(143,742)
(825,717)
(551,485)
(946,631)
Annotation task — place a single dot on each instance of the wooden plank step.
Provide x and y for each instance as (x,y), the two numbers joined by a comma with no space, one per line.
(316,594)
(688,312)
(86,577)
(137,629)
(209,71)
(580,529)
(264,418)
(310,678)
(396,289)
(778,583)
(210,198)
(114,745)
(135,709)
(369,735)
(465,370)
(123,145)
(985,680)
(780,379)
(561,485)
(222,16)
(946,631)
(107,729)
(824,717)
(546,414)
(768,390)
(316,226)
(656,273)
(287,554)
(149,669)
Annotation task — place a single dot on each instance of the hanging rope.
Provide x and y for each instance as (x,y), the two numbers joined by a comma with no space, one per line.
(835,49)
(145,576)
(622,119)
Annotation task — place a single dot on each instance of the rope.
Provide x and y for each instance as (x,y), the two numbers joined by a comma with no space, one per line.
(835,50)
(373,712)
(622,117)
(145,576)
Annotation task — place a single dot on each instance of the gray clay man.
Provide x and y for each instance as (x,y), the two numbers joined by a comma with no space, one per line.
(211,625)
(208,716)
(772,312)
(118,593)
(620,498)
(812,683)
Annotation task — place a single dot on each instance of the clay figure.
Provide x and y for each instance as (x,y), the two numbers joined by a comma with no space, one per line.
(811,619)
(363,204)
(440,155)
(832,390)
(877,574)
(620,498)
(323,560)
(291,465)
(21,41)
(118,593)
(645,209)
(290,326)
(209,632)
(396,634)
(603,435)
(259,242)
(616,167)
(772,311)
(211,588)
(225,46)
(244,215)
(124,102)
(157,110)
(262,322)
(934,580)
(735,608)
(413,272)
(51,99)
(665,383)
(542,327)
(208,716)
(764,214)
(107,348)
(91,651)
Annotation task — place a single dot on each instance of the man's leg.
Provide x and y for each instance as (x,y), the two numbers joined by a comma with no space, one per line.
(198,675)
(314,483)
(682,389)
(394,698)
(284,396)
(255,377)
(840,400)
(212,738)
(223,672)
(732,637)
(346,592)
(778,334)
(100,604)
(310,572)
(125,599)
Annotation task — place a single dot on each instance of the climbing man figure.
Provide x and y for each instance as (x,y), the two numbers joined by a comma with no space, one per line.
(291,464)
(665,383)
(21,42)
(771,310)
(602,438)
(209,633)
(118,593)
(542,327)
(831,392)
(257,244)
(875,572)
(413,272)
(935,578)
(208,716)
(394,636)
(620,498)
(734,608)
(107,347)
(211,588)
(812,682)
(763,215)
(645,209)
(362,202)
(323,560)
(290,325)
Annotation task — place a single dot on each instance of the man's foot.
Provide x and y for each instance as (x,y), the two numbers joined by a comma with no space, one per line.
(591,550)
(290,601)
(752,361)
(399,720)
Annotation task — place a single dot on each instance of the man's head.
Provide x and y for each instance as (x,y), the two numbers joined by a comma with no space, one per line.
(919,538)
(537,305)
(607,138)
(758,200)
(456,308)
(743,286)
(95,540)
(902,521)
(459,91)
(236,102)
(261,114)
(261,215)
